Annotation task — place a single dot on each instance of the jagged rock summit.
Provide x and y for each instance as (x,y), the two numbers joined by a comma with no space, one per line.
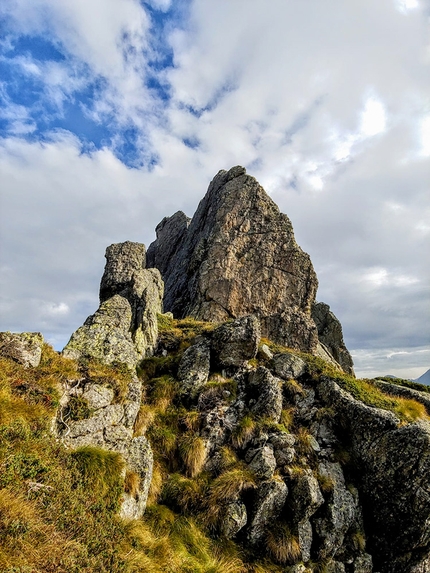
(238,256)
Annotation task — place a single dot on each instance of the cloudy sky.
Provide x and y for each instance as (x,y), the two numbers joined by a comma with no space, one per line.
(116,113)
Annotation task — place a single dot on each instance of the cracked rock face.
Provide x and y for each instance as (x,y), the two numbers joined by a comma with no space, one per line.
(108,425)
(238,256)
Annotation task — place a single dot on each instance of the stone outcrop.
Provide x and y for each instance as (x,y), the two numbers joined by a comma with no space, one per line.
(331,337)
(24,347)
(393,462)
(105,335)
(236,257)
(304,472)
(90,414)
(124,328)
(235,342)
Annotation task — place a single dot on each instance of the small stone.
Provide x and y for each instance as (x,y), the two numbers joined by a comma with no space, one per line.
(270,499)
(268,392)
(193,371)
(288,366)
(98,396)
(264,352)
(24,348)
(263,462)
(306,496)
(233,343)
(235,518)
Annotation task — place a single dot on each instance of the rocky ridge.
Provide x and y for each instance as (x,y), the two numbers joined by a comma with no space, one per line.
(282,452)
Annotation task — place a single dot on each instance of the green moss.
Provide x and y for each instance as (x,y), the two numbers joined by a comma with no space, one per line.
(77,409)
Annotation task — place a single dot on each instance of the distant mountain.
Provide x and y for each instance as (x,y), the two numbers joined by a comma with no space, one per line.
(424,378)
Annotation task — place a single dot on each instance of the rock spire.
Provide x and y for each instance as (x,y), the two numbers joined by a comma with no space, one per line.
(238,256)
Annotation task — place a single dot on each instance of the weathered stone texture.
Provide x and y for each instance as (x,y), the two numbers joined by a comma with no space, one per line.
(393,463)
(109,425)
(237,257)
(193,371)
(24,347)
(123,262)
(233,343)
(124,329)
(331,336)
(170,235)
(105,335)
(269,501)
(267,394)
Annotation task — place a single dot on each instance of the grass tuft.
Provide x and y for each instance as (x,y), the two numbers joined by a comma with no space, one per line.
(282,545)
(192,449)
(243,431)
(132,483)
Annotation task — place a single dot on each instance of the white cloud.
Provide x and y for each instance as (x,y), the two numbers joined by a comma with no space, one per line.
(54,308)
(405,6)
(320,100)
(373,118)
(425,136)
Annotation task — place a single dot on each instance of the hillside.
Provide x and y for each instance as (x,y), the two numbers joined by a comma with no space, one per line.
(176,444)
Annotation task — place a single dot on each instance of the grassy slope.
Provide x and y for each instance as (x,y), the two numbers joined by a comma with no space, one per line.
(58,509)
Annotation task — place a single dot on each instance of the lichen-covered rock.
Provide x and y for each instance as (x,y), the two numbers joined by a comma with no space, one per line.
(305,496)
(261,461)
(269,501)
(331,335)
(288,366)
(139,459)
(393,464)
(339,513)
(125,274)
(147,303)
(292,328)
(24,347)
(264,352)
(397,495)
(366,422)
(125,328)
(170,234)
(105,335)
(233,343)
(283,448)
(108,424)
(124,261)
(234,519)
(193,371)
(266,394)
(304,535)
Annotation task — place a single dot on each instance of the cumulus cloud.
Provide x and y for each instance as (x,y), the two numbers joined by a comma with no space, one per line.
(320,101)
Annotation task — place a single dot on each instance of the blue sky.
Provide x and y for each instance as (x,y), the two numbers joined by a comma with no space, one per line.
(116,114)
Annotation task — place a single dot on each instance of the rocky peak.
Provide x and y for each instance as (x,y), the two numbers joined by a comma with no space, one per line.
(238,256)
